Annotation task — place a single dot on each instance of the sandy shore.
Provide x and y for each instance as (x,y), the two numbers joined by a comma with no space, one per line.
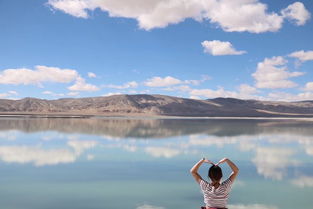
(142,116)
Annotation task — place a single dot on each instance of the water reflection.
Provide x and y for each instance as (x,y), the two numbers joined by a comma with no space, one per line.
(252,206)
(303,181)
(154,128)
(273,162)
(39,156)
(111,150)
(269,140)
(146,206)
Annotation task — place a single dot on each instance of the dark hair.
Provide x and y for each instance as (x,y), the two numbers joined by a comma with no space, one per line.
(215,173)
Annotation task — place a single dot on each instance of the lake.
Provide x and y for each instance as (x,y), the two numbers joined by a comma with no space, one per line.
(115,163)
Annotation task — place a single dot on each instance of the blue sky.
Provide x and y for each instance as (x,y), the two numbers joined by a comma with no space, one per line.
(195,49)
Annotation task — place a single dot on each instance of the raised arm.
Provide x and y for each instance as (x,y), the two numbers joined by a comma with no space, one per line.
(194,169)
(235,169)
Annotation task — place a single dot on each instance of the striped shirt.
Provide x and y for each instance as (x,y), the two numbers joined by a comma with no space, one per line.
(216,197)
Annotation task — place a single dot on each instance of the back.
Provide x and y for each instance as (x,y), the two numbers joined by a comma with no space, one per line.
(216,197)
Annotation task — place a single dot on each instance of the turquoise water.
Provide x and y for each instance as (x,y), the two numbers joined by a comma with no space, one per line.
(144,164)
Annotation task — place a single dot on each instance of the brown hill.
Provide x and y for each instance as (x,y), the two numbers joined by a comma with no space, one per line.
(157,105)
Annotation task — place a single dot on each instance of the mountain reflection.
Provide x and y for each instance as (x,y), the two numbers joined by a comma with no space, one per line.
(274,146)
(157,128)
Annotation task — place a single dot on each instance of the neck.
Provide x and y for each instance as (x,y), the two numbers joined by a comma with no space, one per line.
(215,182)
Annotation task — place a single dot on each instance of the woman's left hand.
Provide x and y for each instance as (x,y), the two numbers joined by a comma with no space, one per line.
(208,161)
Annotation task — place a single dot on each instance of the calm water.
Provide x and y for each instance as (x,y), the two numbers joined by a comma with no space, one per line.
(144,164)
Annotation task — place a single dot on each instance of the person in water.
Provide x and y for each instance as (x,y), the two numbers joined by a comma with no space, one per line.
(216,192)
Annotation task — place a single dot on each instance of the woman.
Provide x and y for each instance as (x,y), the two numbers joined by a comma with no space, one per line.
(215,193)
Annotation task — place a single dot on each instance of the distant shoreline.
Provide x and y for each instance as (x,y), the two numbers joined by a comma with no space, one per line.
(68,115)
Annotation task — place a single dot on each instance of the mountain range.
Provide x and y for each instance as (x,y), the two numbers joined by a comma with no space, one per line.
(156,105)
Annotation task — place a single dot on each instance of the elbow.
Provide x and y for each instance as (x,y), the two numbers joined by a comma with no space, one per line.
(237,171)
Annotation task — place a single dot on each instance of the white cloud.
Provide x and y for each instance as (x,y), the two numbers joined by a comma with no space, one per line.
(73,93)
(195,97)
(111,94)
(146,206)
(209,93)
(47,92)
(52,93)
(247,90)
(162,151)
(296,12)
(131,84)
(170,82)
(302,55)
(272,73)
(283,96)
(303,181)
(37,76)
(4,95)
(239,15)
(183,88)
(308,86)
(45,74)
(92,75)
(76,8)
(304,96)
(81,85)
(251,206)
(162,82)
(149,14)
(8,95)
(217,48)
(13,92)
(243,15)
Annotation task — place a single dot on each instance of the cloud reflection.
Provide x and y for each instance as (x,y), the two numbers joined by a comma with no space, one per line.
(36,155)
(162,152)
(303,181)
(134,135)
(210,140)
(146,206)
(272,162)
(9,135)
(251,206)
(40,156)
(80,146)
(309,150)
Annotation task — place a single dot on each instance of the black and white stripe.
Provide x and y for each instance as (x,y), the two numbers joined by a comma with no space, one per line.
(216,197)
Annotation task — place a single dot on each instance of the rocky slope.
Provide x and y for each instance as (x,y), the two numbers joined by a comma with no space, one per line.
(157,105)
